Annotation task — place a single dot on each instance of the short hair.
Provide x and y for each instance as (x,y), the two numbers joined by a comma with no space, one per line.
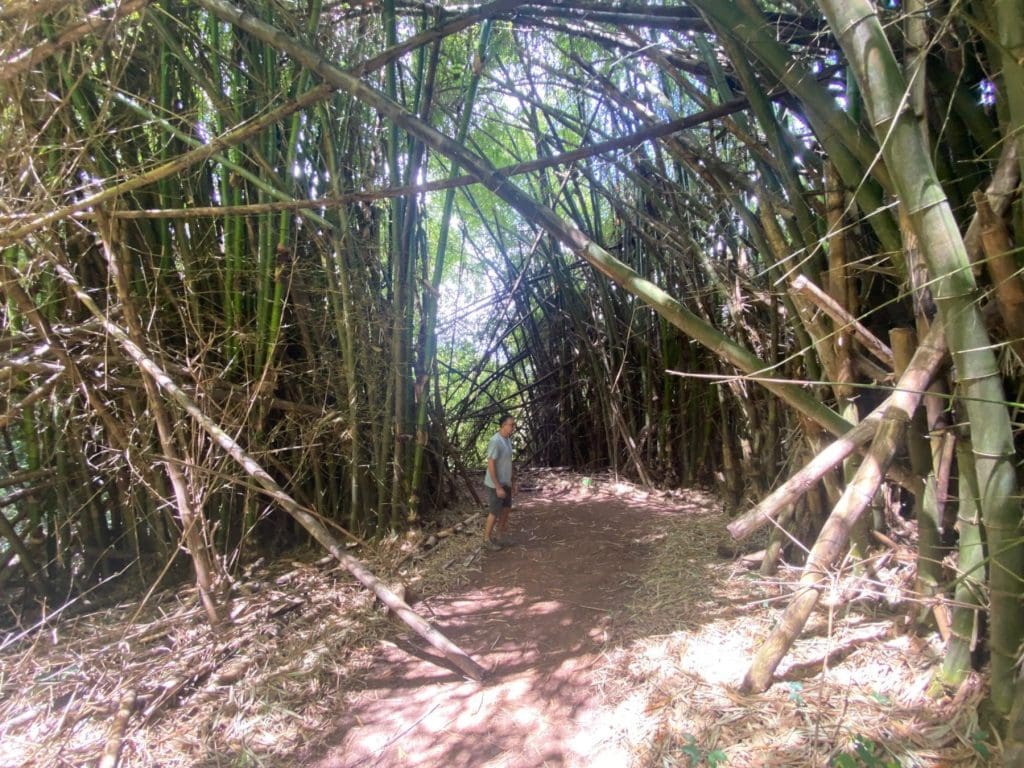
(505,417)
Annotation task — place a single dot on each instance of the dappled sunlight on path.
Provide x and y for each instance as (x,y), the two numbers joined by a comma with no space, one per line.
(540,615)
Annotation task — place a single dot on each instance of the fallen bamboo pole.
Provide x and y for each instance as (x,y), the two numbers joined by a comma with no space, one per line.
(112,749)
(306,518)
(855,499)
(919,373)
(843,319)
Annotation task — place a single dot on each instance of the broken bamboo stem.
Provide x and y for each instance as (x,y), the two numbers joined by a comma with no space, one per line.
(843,319)
(308,519)
(919,373)
(1002,269)
(855,499)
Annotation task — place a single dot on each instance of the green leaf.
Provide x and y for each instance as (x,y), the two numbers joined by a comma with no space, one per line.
(717,757)
(978,739)
(881,698)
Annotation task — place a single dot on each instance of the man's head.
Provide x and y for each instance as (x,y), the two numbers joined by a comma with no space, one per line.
(507,424)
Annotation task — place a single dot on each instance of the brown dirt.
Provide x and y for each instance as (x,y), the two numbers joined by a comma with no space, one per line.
(615,635)
(539,615)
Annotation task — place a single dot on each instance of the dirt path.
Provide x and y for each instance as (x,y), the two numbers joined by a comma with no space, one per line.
(538,614)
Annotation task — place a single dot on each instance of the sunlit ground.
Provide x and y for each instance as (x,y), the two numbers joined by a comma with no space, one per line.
(616,634)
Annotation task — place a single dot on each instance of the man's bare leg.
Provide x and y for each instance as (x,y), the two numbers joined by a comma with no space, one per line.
(489,527)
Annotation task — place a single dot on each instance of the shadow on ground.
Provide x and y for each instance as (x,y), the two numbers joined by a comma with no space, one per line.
(539,615)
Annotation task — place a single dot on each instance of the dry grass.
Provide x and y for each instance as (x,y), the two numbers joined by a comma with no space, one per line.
(303,634)
(852,686)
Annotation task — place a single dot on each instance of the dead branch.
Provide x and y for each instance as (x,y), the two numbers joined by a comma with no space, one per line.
(919,373)
(307,518)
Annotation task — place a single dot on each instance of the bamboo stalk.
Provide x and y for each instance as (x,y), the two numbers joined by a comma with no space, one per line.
(864,41)
(192,520)
(112,749)
(843,319)
(1002,268)
(307,518)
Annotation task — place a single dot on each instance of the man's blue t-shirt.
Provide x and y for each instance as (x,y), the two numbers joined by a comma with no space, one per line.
(500,450)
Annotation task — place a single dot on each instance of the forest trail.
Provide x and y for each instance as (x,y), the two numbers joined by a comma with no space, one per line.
(539,614)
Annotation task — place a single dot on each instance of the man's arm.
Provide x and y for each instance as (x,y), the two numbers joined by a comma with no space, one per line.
(492,471)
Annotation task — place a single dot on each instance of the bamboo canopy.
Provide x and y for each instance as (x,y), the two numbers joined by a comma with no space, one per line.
(270,269)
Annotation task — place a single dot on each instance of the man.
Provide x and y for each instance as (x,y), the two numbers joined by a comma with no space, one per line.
(498,480)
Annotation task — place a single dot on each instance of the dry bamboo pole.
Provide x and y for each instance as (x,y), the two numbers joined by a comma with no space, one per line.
(112,749)
(307,518)
(1000,191)
(834,535)
(843,319)
(192,521)
(920,371)
(1006,282)
(917,377)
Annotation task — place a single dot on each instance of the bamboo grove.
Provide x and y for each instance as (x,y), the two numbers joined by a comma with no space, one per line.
(764,246)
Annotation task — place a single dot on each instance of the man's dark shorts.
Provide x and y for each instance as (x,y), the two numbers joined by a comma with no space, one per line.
(494,504)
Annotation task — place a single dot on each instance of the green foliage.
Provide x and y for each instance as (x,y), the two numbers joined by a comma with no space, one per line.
(696,755)
(866,754)
(979,743)
(795,688)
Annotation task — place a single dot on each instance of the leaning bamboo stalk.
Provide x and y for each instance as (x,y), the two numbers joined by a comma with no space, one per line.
(843,319)
(307,518)
(830,543)
(908,158)
(191,518)
(920,371)
(803,480)
(855,499)
(999,260)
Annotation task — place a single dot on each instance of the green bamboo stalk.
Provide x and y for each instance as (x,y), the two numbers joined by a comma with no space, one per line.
(430,296)
(965,632)
(863,39)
